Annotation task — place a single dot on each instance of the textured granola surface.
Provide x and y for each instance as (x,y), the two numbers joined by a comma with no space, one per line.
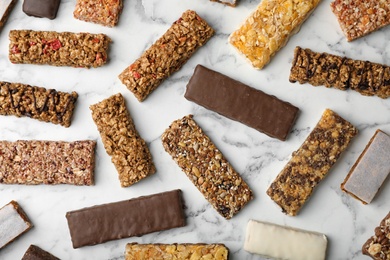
(311,162)
(129,152)
(104,12)
(329,70)
(269,27)
(206,167)
(136,251)
(166,55)
(46,105)
(378,246)
(6,7)
(58,48)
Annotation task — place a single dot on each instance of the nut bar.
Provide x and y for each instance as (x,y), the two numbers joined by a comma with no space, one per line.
(365,77)
(6,7)
(129,152)
(361,17)
(370,170)
(135,217)
(47,162)
(41,8)
(232,3)
(167,55)
(280,242)
(46,105)
(206,167)
(311,162)
(239,102)
(378,246)
(105,12)
(37,253)
(136,251)
(58,48)
(269,27)
(13,223)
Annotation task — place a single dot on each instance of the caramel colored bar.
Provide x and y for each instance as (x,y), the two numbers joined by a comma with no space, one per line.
(167,55)
(47,162)
(46,105)
(136,251)
(129,152)
(370,170)
(6,7)
(101,12)
(58,48)
(365,77)
(206,167)
(37,253)
(378,246)
(269,27)
(311,162)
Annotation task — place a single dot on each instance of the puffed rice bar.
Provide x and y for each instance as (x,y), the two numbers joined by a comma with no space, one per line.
(104,12)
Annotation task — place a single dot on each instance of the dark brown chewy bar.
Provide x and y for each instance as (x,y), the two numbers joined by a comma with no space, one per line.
(239,102)
(365,77)
(6,7)
(36,253)
(135,217)
(378,246)
(41,8)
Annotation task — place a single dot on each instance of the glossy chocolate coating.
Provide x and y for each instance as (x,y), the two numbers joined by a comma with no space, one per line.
(37,253)
(41,8)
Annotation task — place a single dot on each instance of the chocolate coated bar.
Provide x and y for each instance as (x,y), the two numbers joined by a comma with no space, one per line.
(378,246)
(239,102)
(135,217)
(6,7)
(105,12)
(37,253)
(41,8)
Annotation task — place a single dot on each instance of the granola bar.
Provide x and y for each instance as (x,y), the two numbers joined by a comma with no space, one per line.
(36,253)
(58,48)
(135,251)
(206,167)
(129,152)
(46,105)
(361,17)
(311,163)
(378,246)
(365,77)
(167,55)
(227,2)
(6,7)
(269,27)
(13,223)
(47,162)
(104,12)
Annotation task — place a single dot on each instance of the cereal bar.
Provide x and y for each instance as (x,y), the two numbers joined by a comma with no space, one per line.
(129,152)
(136,251)
(365,77)
(227,2)
(269,27)
(206,167)
(47,162)
(36,253)
(361,17)
(104,12)
(378,246)
(311,163)
(166,55)
(46,105)
(6,7)
(58,48)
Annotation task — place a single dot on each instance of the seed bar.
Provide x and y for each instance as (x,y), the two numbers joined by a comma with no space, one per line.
(13,223)
(280,242)
(105,12)
(311,163)
(135,217)
(6,7)
(362,17)
(378,246)
(206,167)
(242,103)
(47,162)
(46,105)
(365,77)
(58,48)
(36,253)
(136,251)
(269,27)
(232,3)
(167,55)
(370,170)
(129,152)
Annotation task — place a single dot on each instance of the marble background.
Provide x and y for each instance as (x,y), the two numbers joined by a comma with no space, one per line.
(257,157)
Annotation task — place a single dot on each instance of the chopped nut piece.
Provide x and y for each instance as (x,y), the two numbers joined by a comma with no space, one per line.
(378,246)
(104,12)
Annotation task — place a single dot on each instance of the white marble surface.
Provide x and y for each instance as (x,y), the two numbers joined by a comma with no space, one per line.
(257,157)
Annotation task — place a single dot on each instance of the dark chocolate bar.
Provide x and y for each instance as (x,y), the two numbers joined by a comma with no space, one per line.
(36,253)
(41,8)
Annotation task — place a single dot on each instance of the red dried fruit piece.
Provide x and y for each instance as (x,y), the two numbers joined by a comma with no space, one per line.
(15,49)
(96,40)
(55,44)
(136,75)
(32,43)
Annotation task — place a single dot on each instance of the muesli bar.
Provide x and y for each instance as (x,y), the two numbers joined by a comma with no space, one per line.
(232,3)
(6,7)
(329,70)
(129,152)
(47,162)
(378,246)
(47,105)
(361,17)
(58,48)
(206,167)
(135,251)
(269,27)
(311,163)
(105,12)
(36,253)
(167,55)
